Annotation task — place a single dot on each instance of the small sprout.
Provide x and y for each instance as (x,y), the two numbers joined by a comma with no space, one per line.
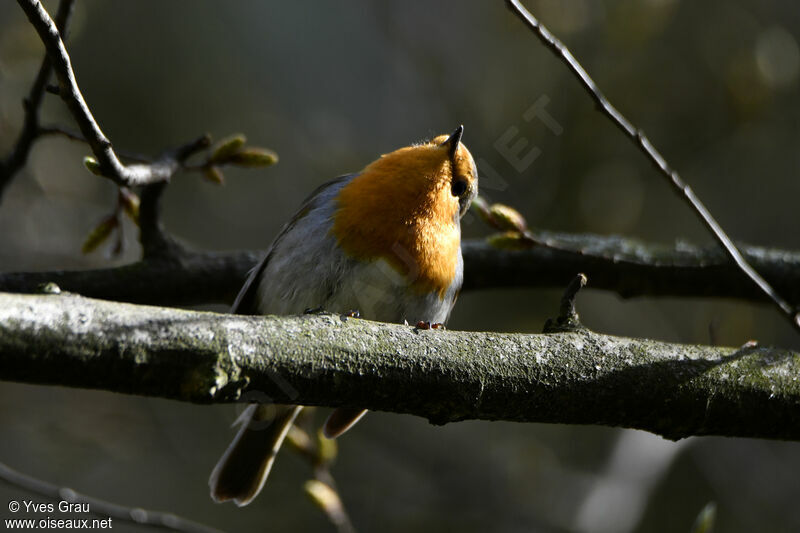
(299,439)
(325,497)
(253,158)
(507,218)
(704,523)
(327,449)
(99,234)
(130,203)
(92,164)
(480,206)
(224,149)
(214,174)
(499,216)
(509,240)
(48,288)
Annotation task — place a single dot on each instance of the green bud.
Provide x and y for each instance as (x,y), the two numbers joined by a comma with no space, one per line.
(324,496)
(507,218)
(704,523)
(130,203)
(92,164)
(509,240)
(225,148)
(99,234)
(48,288)
(299,440)
(326,448)
(214,175)
(481,207)
(253,158)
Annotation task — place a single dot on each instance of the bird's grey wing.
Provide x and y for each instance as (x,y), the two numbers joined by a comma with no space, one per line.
(245,303)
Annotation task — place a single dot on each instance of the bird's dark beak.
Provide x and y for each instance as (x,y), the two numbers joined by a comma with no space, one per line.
(453,141)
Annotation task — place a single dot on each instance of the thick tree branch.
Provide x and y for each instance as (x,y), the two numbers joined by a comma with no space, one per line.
(578,377)
(626,266)
(630,267)
(637,136)
(188,279)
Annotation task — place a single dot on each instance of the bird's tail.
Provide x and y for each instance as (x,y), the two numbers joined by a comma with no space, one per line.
(245,465)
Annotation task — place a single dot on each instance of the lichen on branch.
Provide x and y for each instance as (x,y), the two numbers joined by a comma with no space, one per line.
(578,377)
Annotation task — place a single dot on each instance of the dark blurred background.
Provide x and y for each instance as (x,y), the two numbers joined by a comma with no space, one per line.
(329,86)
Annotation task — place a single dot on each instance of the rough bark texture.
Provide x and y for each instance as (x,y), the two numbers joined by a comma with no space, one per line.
(626,266)
(577,377)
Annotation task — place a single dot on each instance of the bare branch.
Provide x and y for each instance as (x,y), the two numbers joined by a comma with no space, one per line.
(628,267)
(637,136)
(155,241)
(77,137)
(567,319)
(187,279)
(110,165)
(579,377)
(98,507)
(30,127)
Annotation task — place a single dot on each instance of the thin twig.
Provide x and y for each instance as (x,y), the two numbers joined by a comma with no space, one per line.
(637,136)
(155,241)
(30,127)
(64,132)
(77,137)
(100,507)
(568,319)
(567,310)
(110,165)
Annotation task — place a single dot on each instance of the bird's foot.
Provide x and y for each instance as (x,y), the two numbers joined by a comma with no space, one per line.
(422,324)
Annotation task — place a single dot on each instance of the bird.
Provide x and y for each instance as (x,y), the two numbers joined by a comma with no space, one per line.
(384,242)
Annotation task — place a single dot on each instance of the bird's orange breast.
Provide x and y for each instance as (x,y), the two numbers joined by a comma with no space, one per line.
(400,208)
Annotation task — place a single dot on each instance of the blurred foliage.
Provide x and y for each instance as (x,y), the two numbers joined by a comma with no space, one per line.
(329,86)
(704,523)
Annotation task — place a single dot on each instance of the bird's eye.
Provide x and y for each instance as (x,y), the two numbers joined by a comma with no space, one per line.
(458,187)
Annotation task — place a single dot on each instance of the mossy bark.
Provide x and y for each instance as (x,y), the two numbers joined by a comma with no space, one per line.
(576,377)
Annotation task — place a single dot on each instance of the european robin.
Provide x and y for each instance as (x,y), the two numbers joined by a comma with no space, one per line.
(385,241)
